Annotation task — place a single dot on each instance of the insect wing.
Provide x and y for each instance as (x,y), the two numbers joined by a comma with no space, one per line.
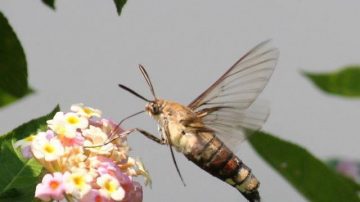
(228,107)
(234,126)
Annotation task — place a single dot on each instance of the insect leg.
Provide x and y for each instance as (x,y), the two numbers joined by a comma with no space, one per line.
(167,133)
(127,132)
(151,136)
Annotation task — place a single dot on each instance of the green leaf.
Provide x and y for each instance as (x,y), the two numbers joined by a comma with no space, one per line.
(18,176)
(13,67)
(50,3)
(344,82)
(310,176)
(6,98)
(355,186)
(119,5)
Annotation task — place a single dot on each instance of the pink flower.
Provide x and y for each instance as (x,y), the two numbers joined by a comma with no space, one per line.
(51,187)
(111,128)
(349,168)
(107,166)
(77,140)
(133,190)
(49,134)
(26,152)
(94,196)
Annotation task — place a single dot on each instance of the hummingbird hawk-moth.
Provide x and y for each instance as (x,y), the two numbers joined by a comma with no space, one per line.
(209,129)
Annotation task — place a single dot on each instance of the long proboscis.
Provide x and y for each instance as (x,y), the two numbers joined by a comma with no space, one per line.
(147,79)
(134,92)
(116,129)
(130,116)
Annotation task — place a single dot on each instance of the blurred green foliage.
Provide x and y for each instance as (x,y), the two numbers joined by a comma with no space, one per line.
(309,175)
(119,5)
(13,67)
(344,82)
(19,176)
(50,3)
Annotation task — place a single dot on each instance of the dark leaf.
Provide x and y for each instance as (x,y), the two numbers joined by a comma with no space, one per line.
(13,67)
(310,176)
(350,170)
(119,5)
(50,3)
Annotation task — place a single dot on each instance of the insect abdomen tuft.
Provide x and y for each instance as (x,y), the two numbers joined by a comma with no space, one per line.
(218,160)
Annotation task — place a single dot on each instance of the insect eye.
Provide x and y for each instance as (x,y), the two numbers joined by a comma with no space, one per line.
(155,109)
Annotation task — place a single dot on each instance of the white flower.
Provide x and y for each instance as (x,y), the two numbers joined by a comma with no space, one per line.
(77,183)
(141,170)
(75,157)
(110,187)
(76,121)
(85,111)
(96,137)
(65,125)
(48,149)
(25,142)
(58,118)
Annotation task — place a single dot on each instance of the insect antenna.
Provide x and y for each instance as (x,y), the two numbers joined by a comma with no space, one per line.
(147,78)
(134,93)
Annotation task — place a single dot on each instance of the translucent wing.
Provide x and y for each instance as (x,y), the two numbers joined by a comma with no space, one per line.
(233,126)
(228,107)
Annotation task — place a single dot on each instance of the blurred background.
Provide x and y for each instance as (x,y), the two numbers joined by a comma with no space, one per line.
(80,52)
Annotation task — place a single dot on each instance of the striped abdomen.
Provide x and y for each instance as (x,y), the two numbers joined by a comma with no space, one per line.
(212,155)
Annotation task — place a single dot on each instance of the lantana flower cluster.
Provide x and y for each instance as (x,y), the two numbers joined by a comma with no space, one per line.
(85,158)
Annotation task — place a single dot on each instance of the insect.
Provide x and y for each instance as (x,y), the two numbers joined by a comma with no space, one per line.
(209,130)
